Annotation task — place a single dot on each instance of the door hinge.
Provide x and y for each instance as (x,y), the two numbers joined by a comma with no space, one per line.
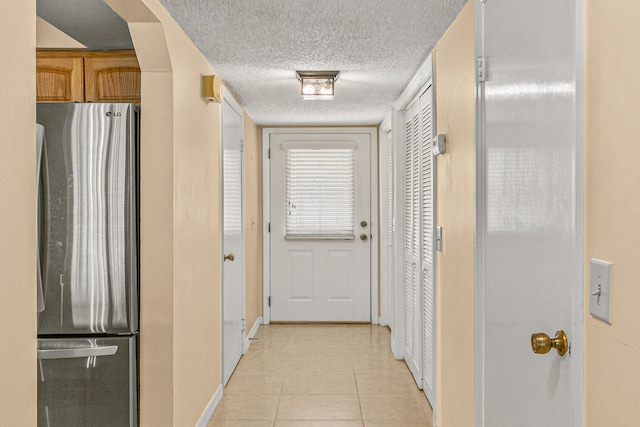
(269,153)
(242,145)
(244,325)
(481,69)
(269,228)
(269,301)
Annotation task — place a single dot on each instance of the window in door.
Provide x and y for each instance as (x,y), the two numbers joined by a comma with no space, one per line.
(320,186)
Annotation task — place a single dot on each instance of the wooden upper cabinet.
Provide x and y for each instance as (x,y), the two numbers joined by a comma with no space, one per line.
(112,79)
(87,76)
(59,79)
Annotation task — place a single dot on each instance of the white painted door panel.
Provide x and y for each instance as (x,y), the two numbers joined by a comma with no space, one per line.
(387,255)
(233,269)
(321,278)
(418,281)
(427,258)
(413,321)
(529,221)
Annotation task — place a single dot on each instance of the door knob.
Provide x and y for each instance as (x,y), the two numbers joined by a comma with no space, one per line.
(363,237)
(363,224)
(230,257)
(542,343)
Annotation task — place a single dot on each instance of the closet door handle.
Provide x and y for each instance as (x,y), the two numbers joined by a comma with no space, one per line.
(39,153)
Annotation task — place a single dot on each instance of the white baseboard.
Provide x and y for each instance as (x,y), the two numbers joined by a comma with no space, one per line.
(398,353)
(252,333)
(211,407)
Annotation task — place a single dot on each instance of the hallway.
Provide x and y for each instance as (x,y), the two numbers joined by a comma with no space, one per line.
(338,375)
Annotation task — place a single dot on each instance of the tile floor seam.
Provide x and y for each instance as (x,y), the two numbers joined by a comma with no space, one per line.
(350,347)
(275,413)
(359,400)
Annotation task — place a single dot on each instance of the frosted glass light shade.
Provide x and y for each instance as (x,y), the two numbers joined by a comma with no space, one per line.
(317,85)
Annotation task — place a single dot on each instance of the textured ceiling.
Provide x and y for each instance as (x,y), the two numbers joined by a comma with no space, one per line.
(256,46)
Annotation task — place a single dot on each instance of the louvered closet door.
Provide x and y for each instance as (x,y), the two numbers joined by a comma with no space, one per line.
(386,232)
(428,287)
(412,288)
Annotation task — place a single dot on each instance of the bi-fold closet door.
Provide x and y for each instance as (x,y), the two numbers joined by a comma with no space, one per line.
(387,247)
(418,254)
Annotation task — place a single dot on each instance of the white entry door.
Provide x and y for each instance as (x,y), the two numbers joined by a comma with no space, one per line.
(233,240)
(320,227)
(529,212)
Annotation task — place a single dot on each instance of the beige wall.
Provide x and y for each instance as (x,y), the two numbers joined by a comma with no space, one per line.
(253,220)
(180,330)
(17,216)
(50,37)
(612,208)
(454,83)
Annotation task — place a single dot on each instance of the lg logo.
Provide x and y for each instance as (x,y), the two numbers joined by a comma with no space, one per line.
(112,114)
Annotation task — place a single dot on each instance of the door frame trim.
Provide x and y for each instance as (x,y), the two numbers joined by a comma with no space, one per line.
(386,127)
(228,97)
(577,306)
(266,209)
(420,82)
(578,291)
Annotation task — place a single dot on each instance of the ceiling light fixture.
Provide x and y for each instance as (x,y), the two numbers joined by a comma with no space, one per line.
(317,85)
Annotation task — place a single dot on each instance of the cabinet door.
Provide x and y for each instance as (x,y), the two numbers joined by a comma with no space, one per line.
(112,79)
(59,79)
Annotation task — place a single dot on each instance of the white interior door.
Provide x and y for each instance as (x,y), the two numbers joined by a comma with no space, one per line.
(413,320)
(427,198)
(529,212)
(418,254)
(233,240)
(387,255)
(320,227)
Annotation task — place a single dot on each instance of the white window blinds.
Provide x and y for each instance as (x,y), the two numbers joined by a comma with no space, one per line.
(320,193)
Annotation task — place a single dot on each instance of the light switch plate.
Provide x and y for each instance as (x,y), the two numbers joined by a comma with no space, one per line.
(600,289)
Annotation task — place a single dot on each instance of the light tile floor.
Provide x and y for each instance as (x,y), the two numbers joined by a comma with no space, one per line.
(319,375)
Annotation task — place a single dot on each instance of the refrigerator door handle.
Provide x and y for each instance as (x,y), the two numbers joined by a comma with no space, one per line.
(39,150)
(73,353)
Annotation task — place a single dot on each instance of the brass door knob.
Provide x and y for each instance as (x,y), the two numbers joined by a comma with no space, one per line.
(230,257)
(363,224)
(542,343)
(363,237)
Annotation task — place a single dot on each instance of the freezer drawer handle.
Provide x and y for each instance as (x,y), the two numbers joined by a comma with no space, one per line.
(72,353)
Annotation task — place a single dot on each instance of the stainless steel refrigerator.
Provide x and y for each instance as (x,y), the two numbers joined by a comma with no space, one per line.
(88,264)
